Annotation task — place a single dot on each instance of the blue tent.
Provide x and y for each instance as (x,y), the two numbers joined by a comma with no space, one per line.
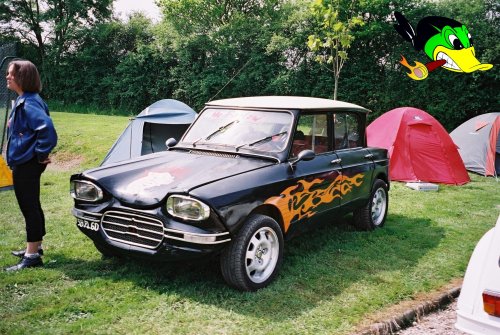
(148,131)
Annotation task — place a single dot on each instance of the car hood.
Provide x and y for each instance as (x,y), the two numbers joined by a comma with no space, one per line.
(147,180)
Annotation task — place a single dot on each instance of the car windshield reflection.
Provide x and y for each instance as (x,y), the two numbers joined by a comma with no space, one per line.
(262,131)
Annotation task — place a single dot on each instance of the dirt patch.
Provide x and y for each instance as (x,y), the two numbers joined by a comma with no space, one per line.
(414,306)
(441,322)
(64,161)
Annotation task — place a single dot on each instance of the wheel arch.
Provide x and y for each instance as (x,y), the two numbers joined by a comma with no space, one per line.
(382,176)
(271,211)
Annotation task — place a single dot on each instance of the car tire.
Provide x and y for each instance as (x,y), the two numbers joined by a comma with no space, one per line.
(374,213)
(253,258)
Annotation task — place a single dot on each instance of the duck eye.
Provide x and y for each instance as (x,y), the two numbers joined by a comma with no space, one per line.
(457,45)
(471,41)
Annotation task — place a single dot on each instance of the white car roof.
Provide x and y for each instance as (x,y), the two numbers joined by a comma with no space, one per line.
(285,102)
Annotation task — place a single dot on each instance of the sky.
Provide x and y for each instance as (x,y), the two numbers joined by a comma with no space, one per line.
(124,7)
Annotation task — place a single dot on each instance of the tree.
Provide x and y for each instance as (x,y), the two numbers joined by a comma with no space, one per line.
(116,65)
(203,16)
(220,46)
(335,22)
(50,22)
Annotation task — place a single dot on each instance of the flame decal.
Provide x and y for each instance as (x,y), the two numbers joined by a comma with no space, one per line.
(301,200)
(417,72)
(421,71)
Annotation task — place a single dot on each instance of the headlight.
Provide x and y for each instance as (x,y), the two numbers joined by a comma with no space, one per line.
(85,190)
(187,208)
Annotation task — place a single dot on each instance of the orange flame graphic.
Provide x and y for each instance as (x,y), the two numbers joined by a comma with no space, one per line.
(417,72)
(300,201)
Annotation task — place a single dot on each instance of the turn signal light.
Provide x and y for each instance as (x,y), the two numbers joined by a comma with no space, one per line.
(491,303)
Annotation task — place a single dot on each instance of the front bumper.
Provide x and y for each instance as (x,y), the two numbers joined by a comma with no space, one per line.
(143,234)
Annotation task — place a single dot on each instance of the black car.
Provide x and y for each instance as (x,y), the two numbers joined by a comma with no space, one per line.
(248,174)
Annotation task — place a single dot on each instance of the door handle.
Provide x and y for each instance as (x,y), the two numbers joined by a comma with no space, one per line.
(369,156)
(336,161)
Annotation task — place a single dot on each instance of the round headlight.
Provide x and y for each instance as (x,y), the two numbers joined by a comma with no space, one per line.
(187,208)
(85,190)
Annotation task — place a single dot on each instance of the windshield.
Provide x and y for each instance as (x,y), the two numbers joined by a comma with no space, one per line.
(241,129)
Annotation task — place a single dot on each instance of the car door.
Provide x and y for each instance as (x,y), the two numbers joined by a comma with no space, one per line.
(316,183)
(355,160)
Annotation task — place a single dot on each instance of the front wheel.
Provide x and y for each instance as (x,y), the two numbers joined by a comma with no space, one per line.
(374,213)
(253,258)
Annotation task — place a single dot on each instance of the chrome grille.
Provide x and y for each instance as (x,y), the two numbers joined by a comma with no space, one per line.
(133,228)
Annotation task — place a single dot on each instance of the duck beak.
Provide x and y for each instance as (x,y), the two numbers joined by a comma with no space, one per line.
(463,60)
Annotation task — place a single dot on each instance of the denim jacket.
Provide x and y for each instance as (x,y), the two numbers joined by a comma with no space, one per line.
(31,132)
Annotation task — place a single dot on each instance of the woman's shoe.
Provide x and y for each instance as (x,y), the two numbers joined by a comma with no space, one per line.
(20,253)
(26,262)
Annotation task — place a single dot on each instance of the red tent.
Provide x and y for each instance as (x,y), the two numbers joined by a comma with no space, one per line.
(419,147)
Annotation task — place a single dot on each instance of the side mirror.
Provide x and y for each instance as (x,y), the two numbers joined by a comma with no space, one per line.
(304,155)
(170,142)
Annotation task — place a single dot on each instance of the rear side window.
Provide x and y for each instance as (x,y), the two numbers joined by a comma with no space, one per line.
(346,131)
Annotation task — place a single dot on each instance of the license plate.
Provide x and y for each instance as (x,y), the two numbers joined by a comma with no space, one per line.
(82,223)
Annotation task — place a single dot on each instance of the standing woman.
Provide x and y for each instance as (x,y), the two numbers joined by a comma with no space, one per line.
(31,137)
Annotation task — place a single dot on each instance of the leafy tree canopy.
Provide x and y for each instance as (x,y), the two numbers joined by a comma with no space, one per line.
(50,22)
(212,49)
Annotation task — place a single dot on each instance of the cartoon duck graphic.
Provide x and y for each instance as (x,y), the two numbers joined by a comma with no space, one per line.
(445,41)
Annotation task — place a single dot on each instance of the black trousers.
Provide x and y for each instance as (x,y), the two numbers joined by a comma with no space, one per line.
(27,189)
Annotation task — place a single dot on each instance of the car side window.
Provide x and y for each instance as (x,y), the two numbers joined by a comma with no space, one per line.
(346,131)
(311,133)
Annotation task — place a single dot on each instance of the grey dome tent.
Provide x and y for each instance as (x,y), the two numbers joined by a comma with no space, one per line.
(148,131)
(478,142)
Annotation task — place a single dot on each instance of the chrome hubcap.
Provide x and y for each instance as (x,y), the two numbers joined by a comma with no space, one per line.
(379,204)
(262,255)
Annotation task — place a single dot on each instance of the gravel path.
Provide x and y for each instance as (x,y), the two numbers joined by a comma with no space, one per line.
(438,323)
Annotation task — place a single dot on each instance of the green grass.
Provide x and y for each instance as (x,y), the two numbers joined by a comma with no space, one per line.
(85,139)
(331,281)
(89,109)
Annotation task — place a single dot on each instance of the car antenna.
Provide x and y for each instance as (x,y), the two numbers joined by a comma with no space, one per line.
(230,80)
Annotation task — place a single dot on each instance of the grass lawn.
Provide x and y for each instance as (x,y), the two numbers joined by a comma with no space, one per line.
(332,279)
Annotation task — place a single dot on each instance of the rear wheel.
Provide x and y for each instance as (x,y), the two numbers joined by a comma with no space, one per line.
(374,213)
(253,258)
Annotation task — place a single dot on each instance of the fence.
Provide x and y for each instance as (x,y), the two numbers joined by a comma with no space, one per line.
(6,96)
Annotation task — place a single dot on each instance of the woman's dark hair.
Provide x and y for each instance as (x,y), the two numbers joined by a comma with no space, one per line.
(26,75)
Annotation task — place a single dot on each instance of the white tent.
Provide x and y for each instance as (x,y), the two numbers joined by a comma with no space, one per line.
(478,142)
(149,130)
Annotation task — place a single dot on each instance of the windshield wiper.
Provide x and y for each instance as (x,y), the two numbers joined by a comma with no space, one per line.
(262,140)
(194,143)
(221,129)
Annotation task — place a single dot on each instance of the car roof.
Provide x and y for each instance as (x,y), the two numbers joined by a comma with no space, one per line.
(286,102)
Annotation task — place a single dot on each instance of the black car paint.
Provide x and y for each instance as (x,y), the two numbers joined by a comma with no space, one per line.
(234,186)
(181,172)
(241,196)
